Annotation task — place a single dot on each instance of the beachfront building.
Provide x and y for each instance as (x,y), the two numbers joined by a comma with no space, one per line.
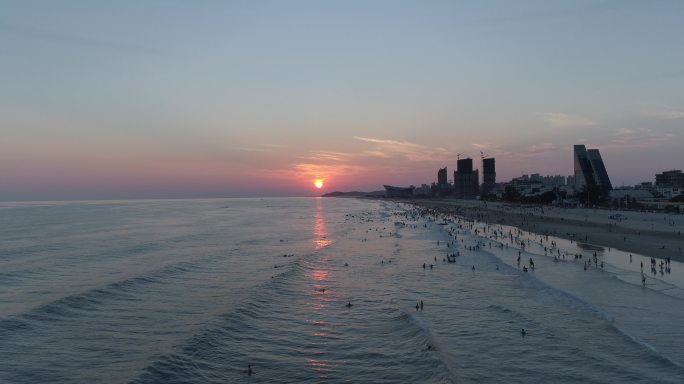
(669,184)
(554,181)
(674,178)
(669,192)
(392,191)
(548,188)
(466,180)
(625,197)
(527,186)
(424,190)
(589,169)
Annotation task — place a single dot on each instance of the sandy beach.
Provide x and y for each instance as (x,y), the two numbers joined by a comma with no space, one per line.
(647,233)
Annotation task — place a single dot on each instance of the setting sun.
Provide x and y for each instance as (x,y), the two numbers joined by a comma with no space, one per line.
(318,183)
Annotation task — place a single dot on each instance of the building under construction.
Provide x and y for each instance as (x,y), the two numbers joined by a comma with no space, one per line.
(488,176)
(466,180)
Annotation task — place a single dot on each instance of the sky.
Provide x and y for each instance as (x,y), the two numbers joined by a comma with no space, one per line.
(209,98)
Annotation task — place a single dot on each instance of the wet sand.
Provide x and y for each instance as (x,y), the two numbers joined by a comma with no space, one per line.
(650,234)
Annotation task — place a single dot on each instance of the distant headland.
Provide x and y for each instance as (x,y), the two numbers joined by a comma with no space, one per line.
(354,194)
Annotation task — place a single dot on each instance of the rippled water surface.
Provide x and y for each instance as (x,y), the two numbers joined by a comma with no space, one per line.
(313,290)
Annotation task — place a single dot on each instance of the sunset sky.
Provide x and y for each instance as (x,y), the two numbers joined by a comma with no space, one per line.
(209,98)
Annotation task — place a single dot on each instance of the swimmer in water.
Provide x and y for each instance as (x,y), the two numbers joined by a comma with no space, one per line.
(249,367)
(523,333)
(349,304)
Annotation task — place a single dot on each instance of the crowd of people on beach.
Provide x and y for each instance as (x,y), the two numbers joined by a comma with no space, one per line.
(459,220)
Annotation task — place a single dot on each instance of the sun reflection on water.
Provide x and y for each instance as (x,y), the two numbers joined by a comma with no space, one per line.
(320,236)
(321,367)
(321,297)
(318,275)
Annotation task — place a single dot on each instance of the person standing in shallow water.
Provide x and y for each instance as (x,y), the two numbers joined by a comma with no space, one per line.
(421,305)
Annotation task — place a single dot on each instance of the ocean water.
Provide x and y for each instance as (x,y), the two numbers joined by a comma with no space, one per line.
(192,291)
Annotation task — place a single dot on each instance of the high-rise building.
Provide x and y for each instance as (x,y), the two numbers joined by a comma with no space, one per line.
(600,173)
(466,180)
(589,169)
(488,175)
(583,173)
(442,177)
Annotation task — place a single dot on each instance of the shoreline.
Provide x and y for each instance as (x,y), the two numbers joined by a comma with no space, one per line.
(651,236)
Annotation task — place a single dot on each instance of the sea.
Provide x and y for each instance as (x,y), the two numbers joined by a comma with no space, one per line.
(320,290)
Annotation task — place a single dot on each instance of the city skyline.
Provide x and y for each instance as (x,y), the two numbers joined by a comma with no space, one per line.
(165,99)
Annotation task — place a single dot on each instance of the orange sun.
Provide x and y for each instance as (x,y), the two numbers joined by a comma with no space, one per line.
(318,183)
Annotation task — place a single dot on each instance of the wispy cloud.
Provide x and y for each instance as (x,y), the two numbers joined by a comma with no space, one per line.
(393,145)
(379,154)
(631,132)
(639,138)
(541,148)
(483,146)
(326,156)
(661,111)
(625,132)
(316,170)
(388,148)
(564,120)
